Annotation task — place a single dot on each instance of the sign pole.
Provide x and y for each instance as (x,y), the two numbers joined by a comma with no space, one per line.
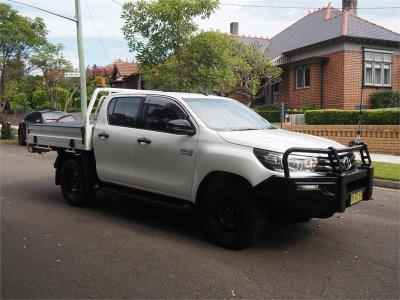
(82,67)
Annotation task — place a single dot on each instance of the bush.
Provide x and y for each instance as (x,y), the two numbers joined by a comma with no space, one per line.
(385,99)
(350,117)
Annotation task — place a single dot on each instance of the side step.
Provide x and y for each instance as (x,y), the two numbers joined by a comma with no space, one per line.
(144,196)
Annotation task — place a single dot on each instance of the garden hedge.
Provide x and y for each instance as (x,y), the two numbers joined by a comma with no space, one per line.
(385,99)
(350,117)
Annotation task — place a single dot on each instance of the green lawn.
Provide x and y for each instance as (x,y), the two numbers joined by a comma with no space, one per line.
(386,171)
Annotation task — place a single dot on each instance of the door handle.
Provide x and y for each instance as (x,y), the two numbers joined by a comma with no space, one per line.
(103,135)
(144,141)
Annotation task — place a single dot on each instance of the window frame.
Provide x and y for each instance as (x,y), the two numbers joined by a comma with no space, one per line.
(302,69)
(178,104)
(369,58)
(139,113)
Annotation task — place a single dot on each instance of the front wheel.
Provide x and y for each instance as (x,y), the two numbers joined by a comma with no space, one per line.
(75,189)
(230,216)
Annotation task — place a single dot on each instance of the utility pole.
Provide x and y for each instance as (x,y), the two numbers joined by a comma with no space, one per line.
(82,69)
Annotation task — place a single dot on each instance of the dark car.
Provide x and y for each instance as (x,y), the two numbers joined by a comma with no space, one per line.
(41,117)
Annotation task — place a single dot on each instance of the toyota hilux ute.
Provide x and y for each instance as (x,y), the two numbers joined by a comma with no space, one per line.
(206,152)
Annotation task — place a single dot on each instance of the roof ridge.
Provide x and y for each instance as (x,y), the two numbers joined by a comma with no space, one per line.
(345,23)
(307,15)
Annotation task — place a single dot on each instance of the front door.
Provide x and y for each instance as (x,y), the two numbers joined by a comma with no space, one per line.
(115,140)
(164,161)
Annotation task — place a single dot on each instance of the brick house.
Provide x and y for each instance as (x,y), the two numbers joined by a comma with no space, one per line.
(331,58)
(126,75)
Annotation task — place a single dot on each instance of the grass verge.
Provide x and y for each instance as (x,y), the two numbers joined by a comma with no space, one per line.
(386,171)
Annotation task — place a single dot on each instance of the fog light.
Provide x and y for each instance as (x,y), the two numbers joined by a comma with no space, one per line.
(308,187)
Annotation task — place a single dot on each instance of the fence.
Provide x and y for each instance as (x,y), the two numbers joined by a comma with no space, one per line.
(380,138)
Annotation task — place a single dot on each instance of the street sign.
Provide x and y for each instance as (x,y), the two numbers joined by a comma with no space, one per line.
(72,74)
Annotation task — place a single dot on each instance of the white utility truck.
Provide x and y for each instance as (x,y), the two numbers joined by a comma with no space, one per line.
(203,151)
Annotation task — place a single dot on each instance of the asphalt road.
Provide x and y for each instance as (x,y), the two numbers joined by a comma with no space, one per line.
(120,248)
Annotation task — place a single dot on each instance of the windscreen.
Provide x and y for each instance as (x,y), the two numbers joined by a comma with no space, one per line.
(226,115)
(52,116)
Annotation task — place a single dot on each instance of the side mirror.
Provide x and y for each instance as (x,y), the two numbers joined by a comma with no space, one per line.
(180,126)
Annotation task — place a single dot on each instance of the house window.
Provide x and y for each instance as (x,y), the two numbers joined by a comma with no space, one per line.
(377,68)
(302,77)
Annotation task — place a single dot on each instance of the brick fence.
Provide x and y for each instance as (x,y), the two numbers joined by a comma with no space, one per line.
(380,138)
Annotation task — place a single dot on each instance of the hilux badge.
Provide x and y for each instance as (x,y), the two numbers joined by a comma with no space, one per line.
(186,151)
(346,163)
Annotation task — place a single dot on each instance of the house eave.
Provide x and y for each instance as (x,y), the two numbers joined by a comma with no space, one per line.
(368,41)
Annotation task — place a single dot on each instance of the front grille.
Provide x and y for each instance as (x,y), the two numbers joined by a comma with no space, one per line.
(329,164)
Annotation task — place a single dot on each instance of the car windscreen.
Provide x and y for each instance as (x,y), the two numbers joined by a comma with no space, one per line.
(226,115)
(66,118)
(53,116)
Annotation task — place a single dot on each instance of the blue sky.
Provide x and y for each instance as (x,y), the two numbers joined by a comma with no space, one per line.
(104,42)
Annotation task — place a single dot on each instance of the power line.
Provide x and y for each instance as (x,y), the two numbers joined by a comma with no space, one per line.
(45,10)
(116,2)
(297,7)
(284,7)
(97,32)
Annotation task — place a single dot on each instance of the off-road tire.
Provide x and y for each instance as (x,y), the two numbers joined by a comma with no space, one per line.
(232,197)
(75,189)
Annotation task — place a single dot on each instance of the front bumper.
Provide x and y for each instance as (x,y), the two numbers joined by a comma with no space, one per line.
(329,194)
(319,196)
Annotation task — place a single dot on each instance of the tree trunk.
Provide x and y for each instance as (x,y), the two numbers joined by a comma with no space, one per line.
(6,133)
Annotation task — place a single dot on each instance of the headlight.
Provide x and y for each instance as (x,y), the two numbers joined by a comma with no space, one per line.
(273,161)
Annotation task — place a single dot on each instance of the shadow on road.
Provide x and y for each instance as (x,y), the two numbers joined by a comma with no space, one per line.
(186,223)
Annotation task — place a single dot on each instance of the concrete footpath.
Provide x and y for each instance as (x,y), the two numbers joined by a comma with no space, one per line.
(388,158)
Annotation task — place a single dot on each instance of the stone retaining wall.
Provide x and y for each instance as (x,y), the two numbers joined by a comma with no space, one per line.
(380,138)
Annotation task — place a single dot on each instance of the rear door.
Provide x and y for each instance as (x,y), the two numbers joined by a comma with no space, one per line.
(115,140)
(164,160)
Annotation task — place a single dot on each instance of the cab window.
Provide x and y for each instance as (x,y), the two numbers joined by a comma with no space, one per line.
(158,111)
(124,111)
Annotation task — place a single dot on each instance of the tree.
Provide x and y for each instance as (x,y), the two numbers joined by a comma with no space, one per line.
(20,101)
(41,98)
(53,65)
(157,31)
(19,37)
(253,72)
(208,62)
(217,63)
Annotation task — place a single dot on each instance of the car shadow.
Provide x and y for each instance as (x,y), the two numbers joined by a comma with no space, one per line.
(127,212)
(186,223)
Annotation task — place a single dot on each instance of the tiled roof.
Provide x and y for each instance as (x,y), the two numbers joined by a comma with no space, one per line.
(126,68)
(326,24)
(258,42)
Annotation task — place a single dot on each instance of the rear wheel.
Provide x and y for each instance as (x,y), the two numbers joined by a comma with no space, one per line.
(75,189)
(21,138)
(230,216)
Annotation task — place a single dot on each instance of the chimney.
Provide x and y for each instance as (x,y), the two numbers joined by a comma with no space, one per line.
(234,28)
(350,6)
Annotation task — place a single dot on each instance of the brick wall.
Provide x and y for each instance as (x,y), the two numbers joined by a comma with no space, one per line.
(380,138)
(342,82)
(333,80)
(353,79)
(297,98)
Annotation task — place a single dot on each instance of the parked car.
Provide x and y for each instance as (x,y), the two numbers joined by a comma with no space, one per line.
(210,153)
(41,117)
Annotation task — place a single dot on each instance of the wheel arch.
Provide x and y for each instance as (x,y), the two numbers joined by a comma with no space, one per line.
(84,158)
(219,175)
